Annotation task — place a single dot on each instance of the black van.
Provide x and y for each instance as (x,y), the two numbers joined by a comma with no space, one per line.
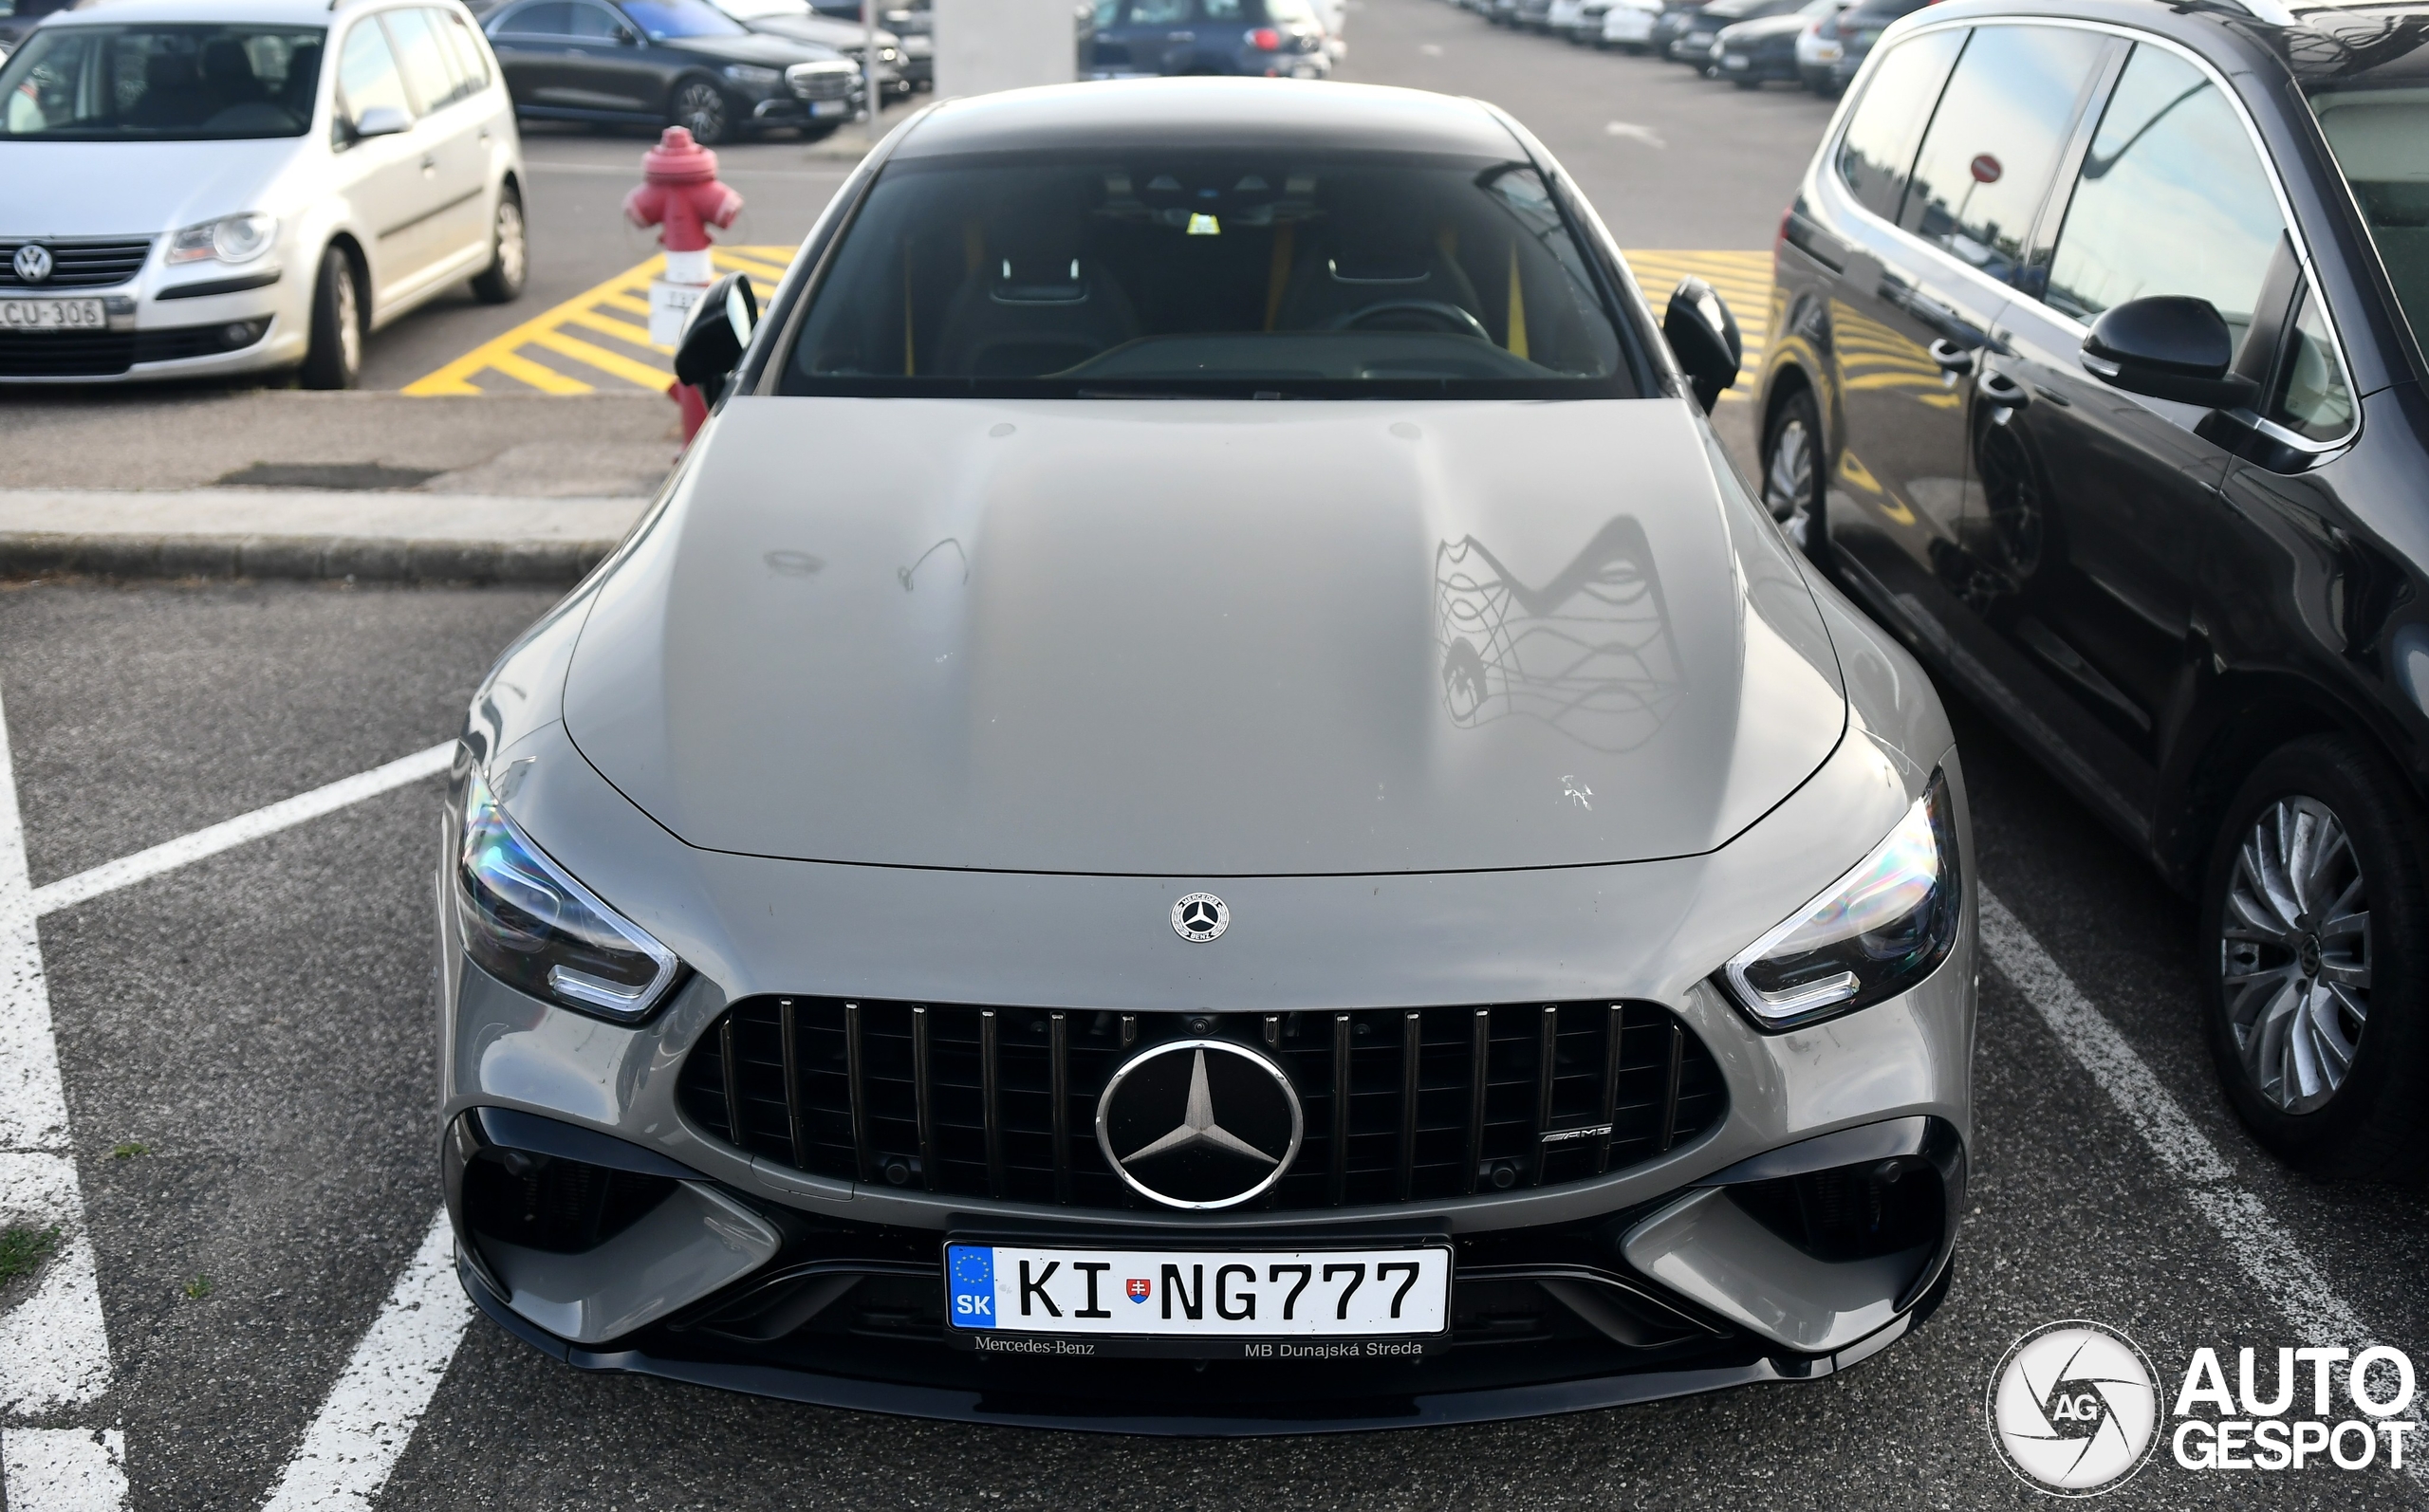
(2099,381)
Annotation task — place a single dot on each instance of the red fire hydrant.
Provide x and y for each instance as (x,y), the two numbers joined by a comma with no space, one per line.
(680,194)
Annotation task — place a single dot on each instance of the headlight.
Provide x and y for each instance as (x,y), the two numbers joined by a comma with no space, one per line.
(749,73)
(1879,930)
(531,926)
(231,239)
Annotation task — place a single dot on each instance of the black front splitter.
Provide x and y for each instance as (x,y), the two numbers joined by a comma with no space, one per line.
(1004,1410)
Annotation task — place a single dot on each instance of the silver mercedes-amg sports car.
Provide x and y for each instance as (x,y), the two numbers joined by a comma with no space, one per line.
(1206,806)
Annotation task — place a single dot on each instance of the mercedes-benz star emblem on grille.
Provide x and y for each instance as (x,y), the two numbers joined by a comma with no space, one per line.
(1199,1123)
(32,263)
(1201,917)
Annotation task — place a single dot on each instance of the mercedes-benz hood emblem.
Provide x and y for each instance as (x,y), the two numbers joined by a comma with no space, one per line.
(1201,917)
(1199,1123)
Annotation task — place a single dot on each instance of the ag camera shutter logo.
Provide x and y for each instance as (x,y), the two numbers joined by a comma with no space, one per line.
(2074,1408)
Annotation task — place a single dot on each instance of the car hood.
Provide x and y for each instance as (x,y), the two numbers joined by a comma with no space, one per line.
(819,31)
(134,187)
(1206,638)
(1764,29)
(757,48)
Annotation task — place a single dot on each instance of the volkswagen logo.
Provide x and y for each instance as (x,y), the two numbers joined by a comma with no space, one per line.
(1199,1123)
(32,263)
(2074,1408)
(1201,917)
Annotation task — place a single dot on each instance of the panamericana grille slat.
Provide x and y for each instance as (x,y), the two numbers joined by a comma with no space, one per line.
(95,263)
(1399,1104)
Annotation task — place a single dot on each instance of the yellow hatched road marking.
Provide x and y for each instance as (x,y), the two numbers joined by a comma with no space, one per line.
(640,375)
(504,364)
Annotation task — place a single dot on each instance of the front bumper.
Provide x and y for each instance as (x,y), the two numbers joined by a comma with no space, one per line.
(1551,1319)
(244,320)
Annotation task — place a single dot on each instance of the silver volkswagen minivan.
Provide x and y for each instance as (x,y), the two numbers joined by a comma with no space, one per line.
(204,187)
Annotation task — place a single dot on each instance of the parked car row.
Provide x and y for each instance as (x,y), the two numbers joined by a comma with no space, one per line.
(1817,44)
(1268,39)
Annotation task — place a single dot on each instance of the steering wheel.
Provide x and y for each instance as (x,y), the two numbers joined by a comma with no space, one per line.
(1411,315)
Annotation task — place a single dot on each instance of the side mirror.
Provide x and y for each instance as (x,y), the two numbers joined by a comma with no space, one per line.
(2169,346)
(714,335)
(1703,337)
(382,120)
(626,37)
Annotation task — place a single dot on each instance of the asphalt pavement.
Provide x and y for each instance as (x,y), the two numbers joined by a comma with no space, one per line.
(245,1047)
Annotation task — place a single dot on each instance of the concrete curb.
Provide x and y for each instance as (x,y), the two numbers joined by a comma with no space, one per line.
(372,559)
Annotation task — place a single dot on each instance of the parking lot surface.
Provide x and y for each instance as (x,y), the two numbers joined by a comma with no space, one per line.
(246,1043)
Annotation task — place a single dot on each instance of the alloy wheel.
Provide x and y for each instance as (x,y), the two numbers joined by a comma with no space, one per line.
(700,109)
(2294,954)
(513,251)
(1788,479)
(349,319)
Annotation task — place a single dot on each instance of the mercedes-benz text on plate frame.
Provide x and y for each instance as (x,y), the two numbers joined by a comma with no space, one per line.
(1187,1136)
(1198,1299)
(1201,916)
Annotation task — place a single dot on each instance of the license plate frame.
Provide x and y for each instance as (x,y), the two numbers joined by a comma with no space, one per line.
(26,316)
(1211,1268)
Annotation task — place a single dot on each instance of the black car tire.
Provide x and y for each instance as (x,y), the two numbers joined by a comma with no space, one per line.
(1793,417)
(510,266)
(700,106)
(1750,82)
(2374,1123)
(334,359)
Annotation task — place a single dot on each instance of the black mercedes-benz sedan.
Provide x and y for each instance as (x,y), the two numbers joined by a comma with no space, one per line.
(2099,381)
(677,63)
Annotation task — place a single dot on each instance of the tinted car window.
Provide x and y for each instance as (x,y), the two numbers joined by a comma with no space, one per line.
(2171,200)
(1158,12)
(1879,147)
(419,57)
(1994,143)
(367,77)
(2312,397)
(191,83)
(2380,137)
(662,19)
(596,23)
(551,18)
(1210,273)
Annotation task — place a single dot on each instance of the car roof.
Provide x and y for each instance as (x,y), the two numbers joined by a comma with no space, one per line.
(268,12)
(1229,112)
(2314,38)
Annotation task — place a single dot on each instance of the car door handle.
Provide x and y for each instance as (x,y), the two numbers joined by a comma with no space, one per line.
(1952,358)
(430,163)
(1999,389)
(1182,36)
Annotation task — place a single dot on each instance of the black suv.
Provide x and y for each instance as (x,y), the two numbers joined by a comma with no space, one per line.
(2100,382)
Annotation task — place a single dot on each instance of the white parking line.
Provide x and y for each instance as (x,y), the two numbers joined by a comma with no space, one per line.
(126,870)
(370,1415)
(2268,1253)
(54,1344)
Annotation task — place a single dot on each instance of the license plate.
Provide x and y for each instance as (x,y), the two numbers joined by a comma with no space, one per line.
(831,107)
(52,315)
(1733,62)
(1207,1303)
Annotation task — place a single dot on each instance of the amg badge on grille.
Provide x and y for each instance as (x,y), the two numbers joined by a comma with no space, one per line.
(1199,1123)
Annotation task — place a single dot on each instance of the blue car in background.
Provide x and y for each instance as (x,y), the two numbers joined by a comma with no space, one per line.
(1263,39)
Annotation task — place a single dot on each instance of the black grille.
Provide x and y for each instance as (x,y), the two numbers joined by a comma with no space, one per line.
(88,354)
(1399,1104)
(77,264)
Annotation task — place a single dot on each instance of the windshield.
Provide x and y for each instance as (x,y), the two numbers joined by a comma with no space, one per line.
(181,83)
(2381,137)
(662,19)
(1210,273)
